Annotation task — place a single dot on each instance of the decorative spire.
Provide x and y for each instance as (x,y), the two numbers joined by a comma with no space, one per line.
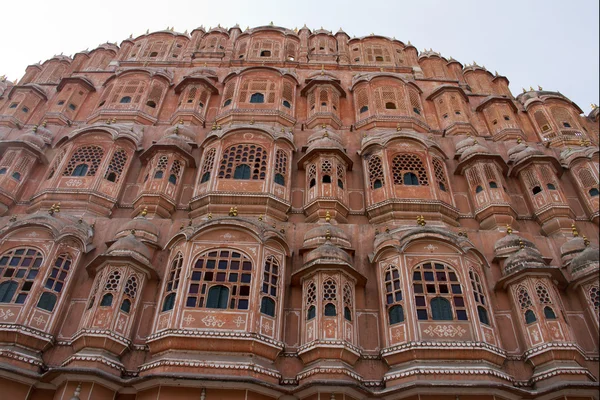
(233,212)
(586,241)
(540,88)
(54,208)
(531,88)
(209,216)
(521,244)
(421,220)
(509,230)
(77,392)
(574,230)
(144,212)
(519,140)
(594,106)
(328,234)
(327,216)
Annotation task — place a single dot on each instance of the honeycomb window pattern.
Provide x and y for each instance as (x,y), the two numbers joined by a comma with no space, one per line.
(523,298)
(329,290)
(594,296)
(91,156)
(281,160)
(131,287)
(543,295)
(112,282)
(403,163)
(207,165)
(375,168)
(116,166)
(249,154)
(227,268)
(440,175)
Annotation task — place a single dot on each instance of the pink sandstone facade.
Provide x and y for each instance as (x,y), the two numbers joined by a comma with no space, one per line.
(293,214)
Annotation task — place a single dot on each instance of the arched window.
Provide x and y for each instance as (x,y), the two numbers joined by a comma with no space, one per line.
(364,109)
(326,179)
(125,100)
(493,185)
(270,284)
(251,155)
(129,293)
(312,183)
(393,293)
(2,171)
(218,297)
(478,189)
(536,190)
(329,297)
(126,306)
(280,167)
(396,314)
(242,171)
(593,192)
(480,297)
(207,165)
(438,281)
(287,104)
(47,301)
(257,98)
(310,300)
(549,313)
(390,106)
(84,161)
(172,283)
(530,317)
(267,306)
(16,176)
(441,310)
(227,102)
(18,268)
(440,175)
(311,313)
(551,186)
(117,163)
(227,269)
(107,300)
(408,169)
(375,168)
(330,310)
(348,298)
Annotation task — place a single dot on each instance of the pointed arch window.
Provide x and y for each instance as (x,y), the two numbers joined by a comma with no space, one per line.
(480,297)
(409,169)
(394,299)
(526,305)
(84,161)
(329,298)
(269,286)
(253,157)
(55,282)
(375,168)
(310,300)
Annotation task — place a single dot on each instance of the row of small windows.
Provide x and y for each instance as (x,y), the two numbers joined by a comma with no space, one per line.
(15,175)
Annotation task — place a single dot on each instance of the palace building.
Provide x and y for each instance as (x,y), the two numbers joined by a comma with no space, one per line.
(276,214)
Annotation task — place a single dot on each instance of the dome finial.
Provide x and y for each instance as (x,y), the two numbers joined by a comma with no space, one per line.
(586,241)
(540,88)
(574,230)
(519,140)
(77,392)
(509,230)
(328,234)
(421,220)
(144,212)
(327,216)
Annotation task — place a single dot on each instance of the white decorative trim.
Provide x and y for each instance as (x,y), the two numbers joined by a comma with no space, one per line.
(27,331)
(453,370)
(552,346)
(329,370)
(444,345)
(215,334)
(94,358)
(211,365)
(21,357)
(560,371)
(329,343)
(99,333)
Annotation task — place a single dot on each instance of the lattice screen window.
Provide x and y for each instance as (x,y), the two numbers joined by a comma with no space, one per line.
(207,165)
(220,279)
(526,305)
(116,166)
(542,122)
(474,179)
(155,95)
(18,270)
(394,300)
(438,293)
(348,295)
(172,283)
(110,286)
(312,175)
(377,54)
(438,68)
(375,168)
(491,174)
(390,98)
(593,294)
(251,155)
(440,174)
(156,50)
(335,100)
(589,181)
(269,287)
(241,53)
(326,171)
(311,102)
(545,300)
(257,86)
(129,292)
(531,180)
(290,52)
(161,167)
(362,100)
(341,176)
(129,92)
(281,160)
(175,172)
(84,161)
(56,163)
(310,300)
(288,94)
(480,297)
(415,102)
(563,118)
(549,178)
(408,169)
(323,99)
(329,297)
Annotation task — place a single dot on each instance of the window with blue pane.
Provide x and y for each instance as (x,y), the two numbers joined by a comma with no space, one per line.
(393,295)
(228,269)
(20,266)
(438,293)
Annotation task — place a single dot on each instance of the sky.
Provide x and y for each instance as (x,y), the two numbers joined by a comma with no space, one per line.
(551,43)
